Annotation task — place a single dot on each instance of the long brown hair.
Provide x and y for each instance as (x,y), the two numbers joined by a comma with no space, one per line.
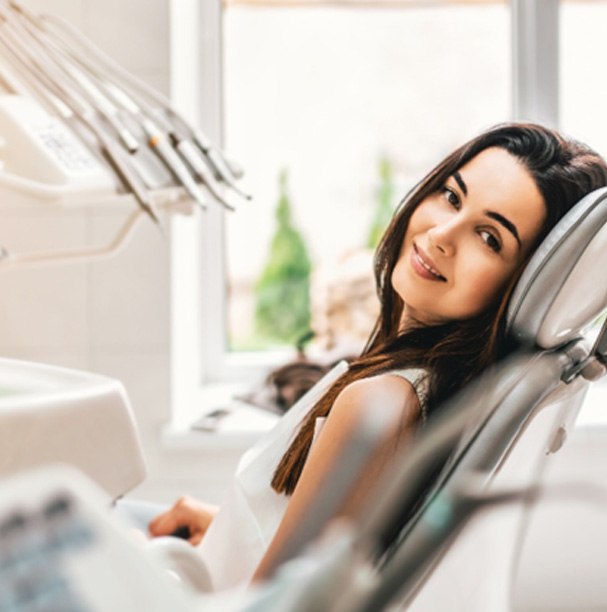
(457,351)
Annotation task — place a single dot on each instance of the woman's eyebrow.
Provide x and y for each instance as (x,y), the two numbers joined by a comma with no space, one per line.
(505,222)
(460,181)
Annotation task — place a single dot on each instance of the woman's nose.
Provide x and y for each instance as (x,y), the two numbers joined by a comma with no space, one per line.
(442,237)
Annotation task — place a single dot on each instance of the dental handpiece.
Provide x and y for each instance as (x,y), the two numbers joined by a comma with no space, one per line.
(158,143)
(128,177)
(221,167)
(218,163)
(107,109)
(191,154)
(65,64)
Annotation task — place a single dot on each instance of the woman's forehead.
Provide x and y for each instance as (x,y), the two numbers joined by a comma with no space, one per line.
(498,181)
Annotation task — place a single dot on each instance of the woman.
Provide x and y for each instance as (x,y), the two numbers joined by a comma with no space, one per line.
(445,270)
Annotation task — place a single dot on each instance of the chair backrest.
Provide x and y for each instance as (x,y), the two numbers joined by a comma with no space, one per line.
(507,452)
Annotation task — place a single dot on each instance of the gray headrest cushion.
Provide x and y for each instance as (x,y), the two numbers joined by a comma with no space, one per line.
(564,286)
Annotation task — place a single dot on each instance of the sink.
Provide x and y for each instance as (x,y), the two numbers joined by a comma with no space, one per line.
(50,414)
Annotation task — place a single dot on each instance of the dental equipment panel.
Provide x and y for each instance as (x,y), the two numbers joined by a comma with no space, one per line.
(35,143)
(53,414)
(60,550)
(77,129)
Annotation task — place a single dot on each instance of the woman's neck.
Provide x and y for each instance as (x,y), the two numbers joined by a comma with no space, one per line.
(412,318)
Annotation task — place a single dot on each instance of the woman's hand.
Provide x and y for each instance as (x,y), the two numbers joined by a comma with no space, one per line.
(186,514)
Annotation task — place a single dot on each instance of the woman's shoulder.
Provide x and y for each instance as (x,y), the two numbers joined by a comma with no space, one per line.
(380,383)
(389,390)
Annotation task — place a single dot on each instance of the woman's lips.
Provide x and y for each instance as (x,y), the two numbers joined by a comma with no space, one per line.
(424,266)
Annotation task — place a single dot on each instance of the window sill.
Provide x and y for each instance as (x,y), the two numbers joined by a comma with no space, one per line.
(174,439)
(222,422)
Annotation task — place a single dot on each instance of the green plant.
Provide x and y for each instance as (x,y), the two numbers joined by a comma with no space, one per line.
(384,196)
(282,309)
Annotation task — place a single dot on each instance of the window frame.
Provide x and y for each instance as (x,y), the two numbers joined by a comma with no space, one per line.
(203,371)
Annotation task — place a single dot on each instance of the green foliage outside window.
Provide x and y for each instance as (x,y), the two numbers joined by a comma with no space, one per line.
(384,201)
(282,309)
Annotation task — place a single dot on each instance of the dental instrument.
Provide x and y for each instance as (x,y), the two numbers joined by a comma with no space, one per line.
(159,129)
(128,127)
(138,107)
(158,143)
(223,169)
(192,154)
(188,151)
(156,140)
(55,90)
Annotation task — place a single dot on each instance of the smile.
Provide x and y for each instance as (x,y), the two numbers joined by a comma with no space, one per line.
(422,264)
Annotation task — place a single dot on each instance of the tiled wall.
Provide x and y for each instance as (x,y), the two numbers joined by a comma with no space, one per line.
(111,316)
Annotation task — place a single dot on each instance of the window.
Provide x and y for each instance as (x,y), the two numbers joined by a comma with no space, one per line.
(327,90)
(353,103)
(582,47)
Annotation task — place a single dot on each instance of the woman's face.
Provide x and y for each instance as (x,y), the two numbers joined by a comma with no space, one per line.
(464,242)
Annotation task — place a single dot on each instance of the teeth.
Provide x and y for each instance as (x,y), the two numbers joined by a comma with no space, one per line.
(430,269)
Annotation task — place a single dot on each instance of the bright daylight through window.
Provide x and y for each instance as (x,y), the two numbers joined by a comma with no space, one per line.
(334,111)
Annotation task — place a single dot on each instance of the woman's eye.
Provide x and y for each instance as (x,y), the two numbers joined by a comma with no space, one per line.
(491,241)
(452,197)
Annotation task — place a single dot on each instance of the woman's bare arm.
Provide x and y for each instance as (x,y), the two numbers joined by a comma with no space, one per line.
(380,395)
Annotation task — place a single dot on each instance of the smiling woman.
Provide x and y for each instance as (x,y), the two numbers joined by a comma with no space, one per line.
(445,270)
(456,225)
(465,241)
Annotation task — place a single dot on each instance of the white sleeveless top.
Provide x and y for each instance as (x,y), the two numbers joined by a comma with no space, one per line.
(249,516)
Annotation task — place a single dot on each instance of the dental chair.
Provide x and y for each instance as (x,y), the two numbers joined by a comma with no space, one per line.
(490,446)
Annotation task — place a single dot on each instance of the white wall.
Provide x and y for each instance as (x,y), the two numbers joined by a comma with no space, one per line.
(111,316)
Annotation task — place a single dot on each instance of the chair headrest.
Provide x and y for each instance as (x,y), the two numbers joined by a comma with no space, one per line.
(564,286)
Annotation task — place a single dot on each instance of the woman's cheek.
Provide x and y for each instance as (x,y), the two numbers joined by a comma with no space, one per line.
(485,283)
(399,277)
